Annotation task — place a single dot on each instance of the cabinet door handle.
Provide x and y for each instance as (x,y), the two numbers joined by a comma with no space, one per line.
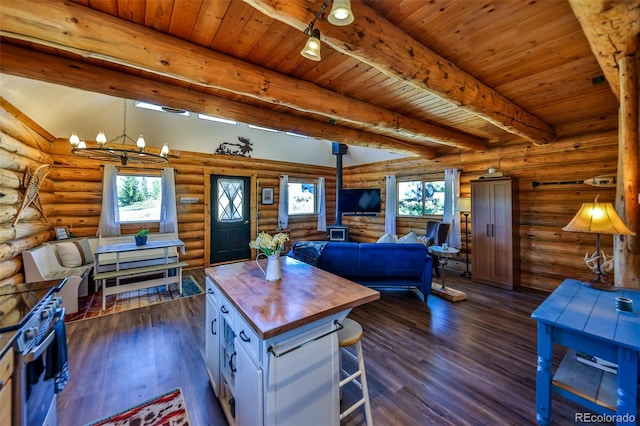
(210,291)
(488,233)
(244,337)
(493,227)
(224,310)
(213,331)
(232,362)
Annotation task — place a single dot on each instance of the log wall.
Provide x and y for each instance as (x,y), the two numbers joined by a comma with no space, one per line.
(71,196)
(548,255)
(77,187)
(24,146)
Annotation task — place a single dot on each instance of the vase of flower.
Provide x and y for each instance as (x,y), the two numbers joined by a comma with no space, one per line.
(270,247)
(273,272)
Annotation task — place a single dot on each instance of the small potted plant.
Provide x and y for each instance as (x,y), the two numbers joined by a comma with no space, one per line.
(141,237)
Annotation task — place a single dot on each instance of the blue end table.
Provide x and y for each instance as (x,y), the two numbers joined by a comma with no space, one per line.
(585,319)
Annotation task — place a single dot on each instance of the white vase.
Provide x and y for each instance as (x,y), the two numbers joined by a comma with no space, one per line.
(273,272)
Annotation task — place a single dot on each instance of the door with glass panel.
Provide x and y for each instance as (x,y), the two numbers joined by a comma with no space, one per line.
(230,218)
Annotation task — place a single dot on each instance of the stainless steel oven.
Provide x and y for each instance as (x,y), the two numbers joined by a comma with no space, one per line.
(37,318)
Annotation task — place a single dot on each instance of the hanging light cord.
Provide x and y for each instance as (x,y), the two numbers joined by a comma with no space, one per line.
(309,28)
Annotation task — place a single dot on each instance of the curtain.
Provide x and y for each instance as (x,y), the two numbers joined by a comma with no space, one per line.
(451,195)
(322,215)
(390,205)
(109,215)
(168,210)
(283,202)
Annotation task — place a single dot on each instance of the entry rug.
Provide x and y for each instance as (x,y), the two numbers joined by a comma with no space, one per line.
(165,410)
(91,306)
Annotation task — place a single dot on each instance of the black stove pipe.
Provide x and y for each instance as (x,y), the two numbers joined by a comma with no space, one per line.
(338,149)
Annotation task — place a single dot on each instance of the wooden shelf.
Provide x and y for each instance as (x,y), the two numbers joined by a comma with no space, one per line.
(587,382)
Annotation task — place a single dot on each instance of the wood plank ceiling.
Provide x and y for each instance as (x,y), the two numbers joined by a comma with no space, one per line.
(417,77)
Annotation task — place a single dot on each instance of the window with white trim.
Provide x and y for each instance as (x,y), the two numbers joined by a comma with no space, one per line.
(139,198)
(303,197)
(419,198)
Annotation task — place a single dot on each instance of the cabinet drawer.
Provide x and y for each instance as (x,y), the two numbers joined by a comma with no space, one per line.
(227,311)
(212,290)
(248,338)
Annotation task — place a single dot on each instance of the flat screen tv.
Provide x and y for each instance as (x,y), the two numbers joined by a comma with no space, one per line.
(359,201)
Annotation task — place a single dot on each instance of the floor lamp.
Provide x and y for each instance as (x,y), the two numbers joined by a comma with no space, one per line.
(464,205)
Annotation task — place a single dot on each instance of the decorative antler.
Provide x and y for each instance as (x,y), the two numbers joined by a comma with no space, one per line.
(606,264)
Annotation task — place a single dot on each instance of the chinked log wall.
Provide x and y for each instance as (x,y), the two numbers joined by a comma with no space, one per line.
(72,193)
(548,255)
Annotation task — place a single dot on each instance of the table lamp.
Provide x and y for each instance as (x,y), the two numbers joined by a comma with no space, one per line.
(464,205)
(598,218)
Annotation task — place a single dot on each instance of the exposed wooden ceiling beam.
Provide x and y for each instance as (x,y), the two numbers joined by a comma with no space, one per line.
(374,40)
(39,66)
(612,29)
(78,29)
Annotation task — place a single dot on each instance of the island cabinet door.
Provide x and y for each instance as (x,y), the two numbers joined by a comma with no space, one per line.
(249,406)
(302,385)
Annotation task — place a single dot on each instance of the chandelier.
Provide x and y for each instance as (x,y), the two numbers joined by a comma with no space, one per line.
(121,148)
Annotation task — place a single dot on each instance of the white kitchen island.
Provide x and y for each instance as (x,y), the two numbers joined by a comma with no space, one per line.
(272,347)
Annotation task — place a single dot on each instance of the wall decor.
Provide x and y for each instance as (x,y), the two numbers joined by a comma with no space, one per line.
(242,149)
(61,233)
(32,182)
(267,195)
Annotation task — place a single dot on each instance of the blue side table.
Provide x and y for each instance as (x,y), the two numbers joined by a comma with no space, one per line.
(585,319)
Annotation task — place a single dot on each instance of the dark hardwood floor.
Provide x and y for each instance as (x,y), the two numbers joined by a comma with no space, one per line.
(468,363)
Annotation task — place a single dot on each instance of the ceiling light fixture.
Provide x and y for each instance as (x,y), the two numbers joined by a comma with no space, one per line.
(114,151)
(340,15)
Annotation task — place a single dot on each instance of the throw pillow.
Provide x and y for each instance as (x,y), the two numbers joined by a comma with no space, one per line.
(387,238)
(69,254)
(86,249)
(410,238)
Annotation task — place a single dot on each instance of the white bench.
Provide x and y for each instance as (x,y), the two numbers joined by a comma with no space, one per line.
(139,271)
(41,264)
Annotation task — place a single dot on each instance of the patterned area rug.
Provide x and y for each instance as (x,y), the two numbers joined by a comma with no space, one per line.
(91,306)
(166,410)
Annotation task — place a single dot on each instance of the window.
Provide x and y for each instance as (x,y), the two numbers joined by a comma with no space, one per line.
(421,198)
(139,198)
(302,197)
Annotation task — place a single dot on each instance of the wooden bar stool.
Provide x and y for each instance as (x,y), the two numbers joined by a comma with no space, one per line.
(349,335)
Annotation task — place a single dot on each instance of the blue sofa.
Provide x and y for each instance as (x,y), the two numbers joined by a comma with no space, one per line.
(371,264)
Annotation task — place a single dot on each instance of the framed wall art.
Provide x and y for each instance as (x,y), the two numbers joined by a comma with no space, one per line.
(267,195)
(61,233)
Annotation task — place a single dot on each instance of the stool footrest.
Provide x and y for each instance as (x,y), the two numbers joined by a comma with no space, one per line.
(351,378)
(351,409)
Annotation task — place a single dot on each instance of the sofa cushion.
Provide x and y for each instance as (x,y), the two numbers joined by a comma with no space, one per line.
(410,238)
(86,249)
(391,260)
(70,254)
(340,258)
(387,238)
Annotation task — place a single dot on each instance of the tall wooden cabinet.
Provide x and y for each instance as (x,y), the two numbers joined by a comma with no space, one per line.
(494,236)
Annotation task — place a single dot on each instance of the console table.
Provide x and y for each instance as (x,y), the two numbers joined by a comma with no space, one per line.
(585,319)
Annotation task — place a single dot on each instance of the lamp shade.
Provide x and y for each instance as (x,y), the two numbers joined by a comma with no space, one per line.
(341,13)
(311,49)
(598,218)
(463,204)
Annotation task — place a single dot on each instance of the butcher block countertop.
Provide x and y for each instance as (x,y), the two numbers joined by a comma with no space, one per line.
(303,295)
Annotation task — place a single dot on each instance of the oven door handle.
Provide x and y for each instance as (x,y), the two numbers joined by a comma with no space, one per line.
(38,350)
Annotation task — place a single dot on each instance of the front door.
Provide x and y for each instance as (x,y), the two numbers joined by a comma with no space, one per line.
(230,218)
